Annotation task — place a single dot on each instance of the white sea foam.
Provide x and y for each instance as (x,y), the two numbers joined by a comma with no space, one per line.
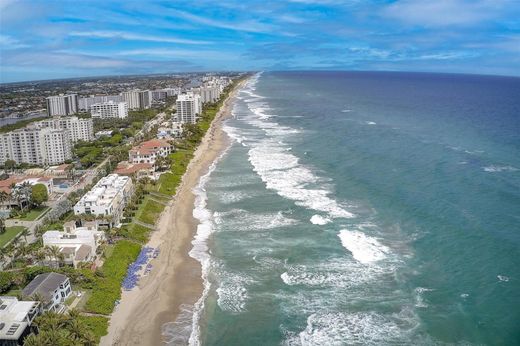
(346,110)
(232,292)
(239,220)
(364,249)
(341,273)
(178,332)
(320,220)
(371,123)
(368,328)
(200,253)
(503,278)
(419,297)
(494,168)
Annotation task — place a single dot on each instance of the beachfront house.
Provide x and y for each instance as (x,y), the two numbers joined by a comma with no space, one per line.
(52,288)
(77,244)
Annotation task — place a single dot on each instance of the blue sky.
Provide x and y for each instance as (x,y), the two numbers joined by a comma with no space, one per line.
(58,39)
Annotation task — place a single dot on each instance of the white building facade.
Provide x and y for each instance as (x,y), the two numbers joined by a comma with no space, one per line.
(137,99)
(77,244)
(80,128)
(62,104)
(38,146)
(107,199)
(16,318)
(189,106)
(86,102)
(109,109)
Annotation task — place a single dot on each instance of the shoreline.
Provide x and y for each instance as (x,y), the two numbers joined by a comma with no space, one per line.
(176,278)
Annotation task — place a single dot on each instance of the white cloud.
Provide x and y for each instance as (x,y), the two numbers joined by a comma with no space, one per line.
(444,12)
(8,42)
(247,26)
(134,37)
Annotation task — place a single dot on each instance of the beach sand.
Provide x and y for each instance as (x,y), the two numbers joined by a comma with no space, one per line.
(175,279)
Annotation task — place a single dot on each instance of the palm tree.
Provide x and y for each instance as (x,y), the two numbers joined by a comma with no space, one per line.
(4,196)
(24,233)
(54,252)
(2,226)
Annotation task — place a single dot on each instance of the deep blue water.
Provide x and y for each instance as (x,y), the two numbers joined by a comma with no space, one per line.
(358,208)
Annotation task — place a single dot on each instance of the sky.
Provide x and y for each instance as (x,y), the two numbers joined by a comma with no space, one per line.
(49,39)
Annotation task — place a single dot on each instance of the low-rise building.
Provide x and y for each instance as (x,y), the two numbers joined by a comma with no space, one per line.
(138,170)
(107,199)
(78,244)
(16,319)
(149,151)
(52,288)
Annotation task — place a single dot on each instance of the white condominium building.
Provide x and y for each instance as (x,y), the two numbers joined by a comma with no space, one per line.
(80,128)
(86,102)
(38,146)
(208,93)
(189,106)
(62,104)
(107,199)
(137,99)
(109,110)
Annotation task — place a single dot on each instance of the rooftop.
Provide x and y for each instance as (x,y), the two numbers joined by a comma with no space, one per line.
(44,285)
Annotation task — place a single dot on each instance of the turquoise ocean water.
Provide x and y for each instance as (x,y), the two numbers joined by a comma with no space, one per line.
(364,209)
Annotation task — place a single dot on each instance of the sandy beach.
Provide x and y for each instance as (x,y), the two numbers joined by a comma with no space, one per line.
(176,277)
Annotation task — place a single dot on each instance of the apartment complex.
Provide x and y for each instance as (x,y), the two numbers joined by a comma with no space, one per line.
(189,106)
(38,146)
(109,109)
(16,318)
(62,104)
(80,129)
(208,93)
(106,199)
(86,102)
(137,99)
(149,151)
(77,243)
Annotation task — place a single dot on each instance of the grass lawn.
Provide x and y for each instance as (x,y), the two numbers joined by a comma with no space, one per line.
(149,211)
(10,233)
(33,214)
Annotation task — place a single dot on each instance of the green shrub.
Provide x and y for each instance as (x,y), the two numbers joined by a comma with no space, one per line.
(108,289)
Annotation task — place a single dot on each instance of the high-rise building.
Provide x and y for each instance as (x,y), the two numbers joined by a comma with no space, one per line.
(189,106)
(80,128)
(62,104)
(109,110)
(137,99)
(86,102)
(38,146)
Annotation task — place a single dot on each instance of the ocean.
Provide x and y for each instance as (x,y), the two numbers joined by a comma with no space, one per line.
(364,208)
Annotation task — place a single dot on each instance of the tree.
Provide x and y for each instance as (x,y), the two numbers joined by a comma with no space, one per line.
(2,226)
(39,194)
(55,253)
(9,165)
(4,196)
